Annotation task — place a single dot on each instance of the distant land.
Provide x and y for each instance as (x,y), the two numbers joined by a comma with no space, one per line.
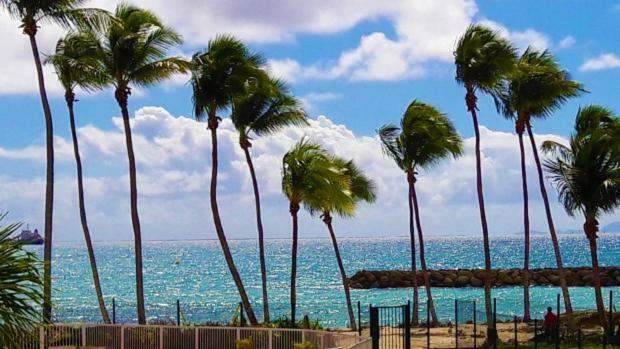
(613,227)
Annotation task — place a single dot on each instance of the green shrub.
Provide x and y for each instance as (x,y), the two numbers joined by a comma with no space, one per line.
(245,344)
(304,345)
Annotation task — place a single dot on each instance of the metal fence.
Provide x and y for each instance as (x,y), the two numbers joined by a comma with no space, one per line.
(181,337)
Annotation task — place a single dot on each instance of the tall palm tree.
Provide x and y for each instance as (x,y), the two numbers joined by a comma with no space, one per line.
(536,88)
(342,199)
(221,73)
(482,61)
(133,52)
(267,108)
(424,138)
(76,65)
(65,13)
(308,176)
(20,289)
(587,176)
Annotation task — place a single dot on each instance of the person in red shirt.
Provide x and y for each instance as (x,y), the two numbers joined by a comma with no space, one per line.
(550,324)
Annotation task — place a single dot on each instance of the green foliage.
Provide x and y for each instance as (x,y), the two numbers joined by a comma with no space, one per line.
(537,87)
(133,48)
(586,172)
(76,61)
(20,289)
(285,322)
(245,344)
(425,137)
(483,58)
(304,345)
(266,108)
(222,72)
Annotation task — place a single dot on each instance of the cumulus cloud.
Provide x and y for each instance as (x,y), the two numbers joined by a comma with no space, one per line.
(603,62)
(310,99)
(173,155)
(521,39)
(567,42)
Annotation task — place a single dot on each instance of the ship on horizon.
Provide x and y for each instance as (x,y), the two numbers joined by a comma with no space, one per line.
(29,237)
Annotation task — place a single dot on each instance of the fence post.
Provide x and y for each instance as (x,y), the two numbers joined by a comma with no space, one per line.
(359,318)
(270,339)
(122,337)
(407,325)
(456,323)
(178,313)
(41,337)
(516,338)
(557,325)
(113,310)
(161,337)
(83,334)
(611,313)
(196,338)
(374,327)
(428,327)
(535,333)
(475,328)
(495,332)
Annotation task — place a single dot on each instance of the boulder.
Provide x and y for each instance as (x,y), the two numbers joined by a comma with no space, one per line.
(461,281)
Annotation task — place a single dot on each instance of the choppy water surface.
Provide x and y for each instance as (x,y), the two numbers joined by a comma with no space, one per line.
(195,273)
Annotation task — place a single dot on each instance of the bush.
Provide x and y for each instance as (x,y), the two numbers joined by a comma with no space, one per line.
(245,344)
(304,345)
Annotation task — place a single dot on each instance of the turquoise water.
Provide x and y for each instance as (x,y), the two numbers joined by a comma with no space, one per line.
(195,273)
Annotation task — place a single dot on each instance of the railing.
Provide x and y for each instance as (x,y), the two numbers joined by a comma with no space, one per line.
(184,337)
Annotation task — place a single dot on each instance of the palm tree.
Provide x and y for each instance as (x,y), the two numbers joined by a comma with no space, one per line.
(20,289)
(536,88)
(65,13)
(133,52)
(587,176)
(342,199)
(76,65)
(482,61)
(424,138)
(267,108)
(308,176)
(219,74)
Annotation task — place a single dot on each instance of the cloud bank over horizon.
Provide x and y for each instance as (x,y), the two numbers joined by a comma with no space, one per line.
(173,155)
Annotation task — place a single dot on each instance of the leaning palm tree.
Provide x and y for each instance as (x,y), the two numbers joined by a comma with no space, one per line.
(424,138)
(308,175)
(342,199)
(222,72)
(20,290)
(267,108)
(587,176)
(76,64)
(536,88)
(133,52)
(482,61)
(31,13)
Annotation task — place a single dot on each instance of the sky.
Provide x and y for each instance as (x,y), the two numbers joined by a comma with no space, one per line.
(354,64)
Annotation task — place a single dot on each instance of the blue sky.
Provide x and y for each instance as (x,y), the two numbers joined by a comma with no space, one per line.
(358,63)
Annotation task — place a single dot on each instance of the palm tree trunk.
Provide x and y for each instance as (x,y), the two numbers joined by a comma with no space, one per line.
(471,106)
(70,98)
(416,306)
(327,219)
(591,229)
(554,238)
(294,208)
(259,225)
(122,95)
(425,275)
(30,29)
(526,229)
(213,124)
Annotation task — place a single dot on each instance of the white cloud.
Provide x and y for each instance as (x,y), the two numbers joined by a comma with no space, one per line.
(173,155)
(567,42)
(521,39)
(310,99)
(602,62)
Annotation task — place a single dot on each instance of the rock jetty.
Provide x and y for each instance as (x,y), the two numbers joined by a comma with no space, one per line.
(582,276)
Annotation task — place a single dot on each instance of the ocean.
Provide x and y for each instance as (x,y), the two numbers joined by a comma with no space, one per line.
(194,272)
